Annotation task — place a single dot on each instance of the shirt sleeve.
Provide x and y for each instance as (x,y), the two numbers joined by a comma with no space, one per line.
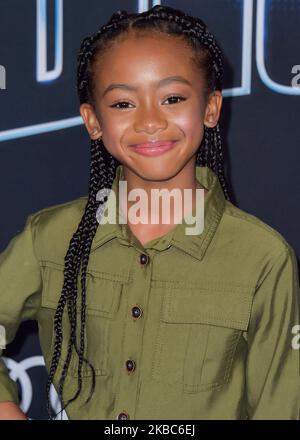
(20,288)
(272,369)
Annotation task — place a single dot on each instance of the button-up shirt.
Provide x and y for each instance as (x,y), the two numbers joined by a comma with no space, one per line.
(201,326)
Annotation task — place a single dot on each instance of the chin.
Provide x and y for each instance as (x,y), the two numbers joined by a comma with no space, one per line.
(157,173)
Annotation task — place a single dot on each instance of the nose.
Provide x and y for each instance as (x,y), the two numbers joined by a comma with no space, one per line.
(150,119)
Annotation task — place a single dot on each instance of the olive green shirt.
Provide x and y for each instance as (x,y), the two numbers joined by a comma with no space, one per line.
(208,321)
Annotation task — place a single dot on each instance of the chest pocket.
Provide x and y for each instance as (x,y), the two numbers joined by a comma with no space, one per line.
(198,335)
(102,304)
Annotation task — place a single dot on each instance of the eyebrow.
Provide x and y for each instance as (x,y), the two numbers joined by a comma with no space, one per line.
(162,82)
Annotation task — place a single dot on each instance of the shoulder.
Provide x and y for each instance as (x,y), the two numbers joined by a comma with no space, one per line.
(250,230)
(53,227)
(54,213)
(247,246)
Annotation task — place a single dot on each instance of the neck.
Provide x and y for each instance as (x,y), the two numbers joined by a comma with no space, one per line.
(184,180)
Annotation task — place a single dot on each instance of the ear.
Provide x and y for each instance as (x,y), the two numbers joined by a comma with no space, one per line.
(213,109)
(90,121)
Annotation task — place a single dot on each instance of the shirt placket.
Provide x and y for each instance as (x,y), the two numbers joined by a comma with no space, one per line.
(134,328)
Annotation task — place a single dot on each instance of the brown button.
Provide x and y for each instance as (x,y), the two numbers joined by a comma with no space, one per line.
(130,365)
(144,259)
(123,416)
(136,312)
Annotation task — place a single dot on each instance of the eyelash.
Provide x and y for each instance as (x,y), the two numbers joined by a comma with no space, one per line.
(182,98)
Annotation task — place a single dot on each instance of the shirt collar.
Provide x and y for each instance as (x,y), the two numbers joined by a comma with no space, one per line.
(194,245)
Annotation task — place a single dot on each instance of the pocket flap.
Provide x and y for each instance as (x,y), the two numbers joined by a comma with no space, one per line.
(102,294)
(227,308)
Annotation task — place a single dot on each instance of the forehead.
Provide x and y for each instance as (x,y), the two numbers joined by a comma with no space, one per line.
(144,58)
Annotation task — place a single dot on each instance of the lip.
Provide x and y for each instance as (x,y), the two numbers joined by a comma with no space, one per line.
(154,148)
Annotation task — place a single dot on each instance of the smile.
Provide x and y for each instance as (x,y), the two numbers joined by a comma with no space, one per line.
(153,149)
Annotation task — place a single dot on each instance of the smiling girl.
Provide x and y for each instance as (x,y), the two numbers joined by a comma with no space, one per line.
(141,320)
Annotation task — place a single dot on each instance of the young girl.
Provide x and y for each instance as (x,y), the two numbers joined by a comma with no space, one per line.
(142,320)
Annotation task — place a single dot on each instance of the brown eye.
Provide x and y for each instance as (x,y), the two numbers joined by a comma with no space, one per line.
(119,103)
(176,97)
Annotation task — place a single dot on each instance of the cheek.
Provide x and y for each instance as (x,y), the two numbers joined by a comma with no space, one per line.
(113,132)
(191,122)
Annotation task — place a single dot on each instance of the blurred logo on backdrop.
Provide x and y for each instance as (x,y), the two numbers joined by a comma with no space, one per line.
(19,372)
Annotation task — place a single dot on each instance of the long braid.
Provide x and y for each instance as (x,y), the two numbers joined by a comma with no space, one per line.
(72,261)
(95,158)
(89,232)
(68,282)
(103,165)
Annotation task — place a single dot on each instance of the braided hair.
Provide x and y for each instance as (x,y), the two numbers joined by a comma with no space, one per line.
(208,57)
